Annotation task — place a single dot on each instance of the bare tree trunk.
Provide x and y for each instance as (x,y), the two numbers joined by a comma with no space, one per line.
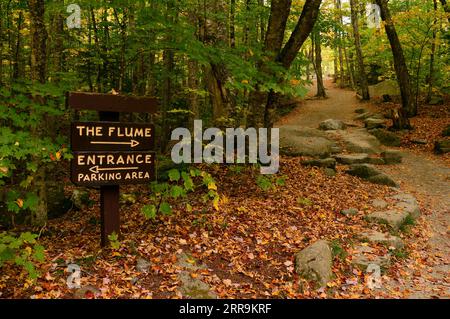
(342,79)
(409,108)
(362,75)
(17,64)
(232,24)
(318,64)
(38,74)
(432,55)
(38,41)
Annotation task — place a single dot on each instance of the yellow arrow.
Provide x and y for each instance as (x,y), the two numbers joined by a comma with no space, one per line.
(132,143)
(96,169)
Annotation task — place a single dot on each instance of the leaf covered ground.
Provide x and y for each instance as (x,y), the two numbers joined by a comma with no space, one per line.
(248,246)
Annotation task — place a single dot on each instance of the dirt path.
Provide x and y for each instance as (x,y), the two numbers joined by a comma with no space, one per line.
(428,266)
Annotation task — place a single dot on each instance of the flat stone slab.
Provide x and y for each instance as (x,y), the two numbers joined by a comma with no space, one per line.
(382,179)
(295,141)
(349,212)
(379,204)
(349,159)
(361,142)
(408,204)
(373,236)
(392,157)
(364,256)
(393,218)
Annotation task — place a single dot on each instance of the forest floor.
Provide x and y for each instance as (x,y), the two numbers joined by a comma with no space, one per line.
(246,249)
(421,173)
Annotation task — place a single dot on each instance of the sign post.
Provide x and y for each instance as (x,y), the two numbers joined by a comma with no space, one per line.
(109,153)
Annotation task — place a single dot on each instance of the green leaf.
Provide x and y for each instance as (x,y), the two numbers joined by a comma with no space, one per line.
(174,175)
(165,208)
(178,191)
(149,211)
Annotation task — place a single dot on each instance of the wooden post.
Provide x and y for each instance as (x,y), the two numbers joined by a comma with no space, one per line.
(109,197)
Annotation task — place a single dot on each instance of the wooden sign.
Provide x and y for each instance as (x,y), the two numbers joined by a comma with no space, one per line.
(107,136)
(112,168)
(109,153)
(111,103)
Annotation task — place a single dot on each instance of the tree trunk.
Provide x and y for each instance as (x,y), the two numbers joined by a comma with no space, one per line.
(38,41)
(232,24)
(17,64)
(302,30)
(38,74)
(342,79)
(362,76)
(318,64)
(409,108)
(432,55)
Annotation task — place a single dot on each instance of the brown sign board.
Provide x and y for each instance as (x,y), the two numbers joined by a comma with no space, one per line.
(112,136)
(112,168)
(111,103)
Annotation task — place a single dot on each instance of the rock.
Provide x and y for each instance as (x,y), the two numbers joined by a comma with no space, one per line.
(349,159)
(372,123)
(349,212)
(420,142)
(363,170)
(436,100)
(379,204)
(57,202)
(393,218)
(446,132)
(296,141)
(373,236)
(360,111)
(408,204)
(142,265)
(315,263)
(364,256)
(442,147)
(386,138)
(191,287)
(405,198)
(194,288)
(330,172)
(335,149)
(375,160)
(361,142)
(363,116)
(392,157)
(388,87)
(327,162)
(331,125)
(413,210)
(382,179)
(80,198)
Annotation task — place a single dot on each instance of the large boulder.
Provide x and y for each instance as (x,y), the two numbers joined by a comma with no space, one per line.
(386,137)
(332,125)
(315,263)
(295,141)
(388,87)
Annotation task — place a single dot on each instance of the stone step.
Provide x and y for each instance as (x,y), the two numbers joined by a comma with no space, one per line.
(393,218)
(363,256)
(373,236)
